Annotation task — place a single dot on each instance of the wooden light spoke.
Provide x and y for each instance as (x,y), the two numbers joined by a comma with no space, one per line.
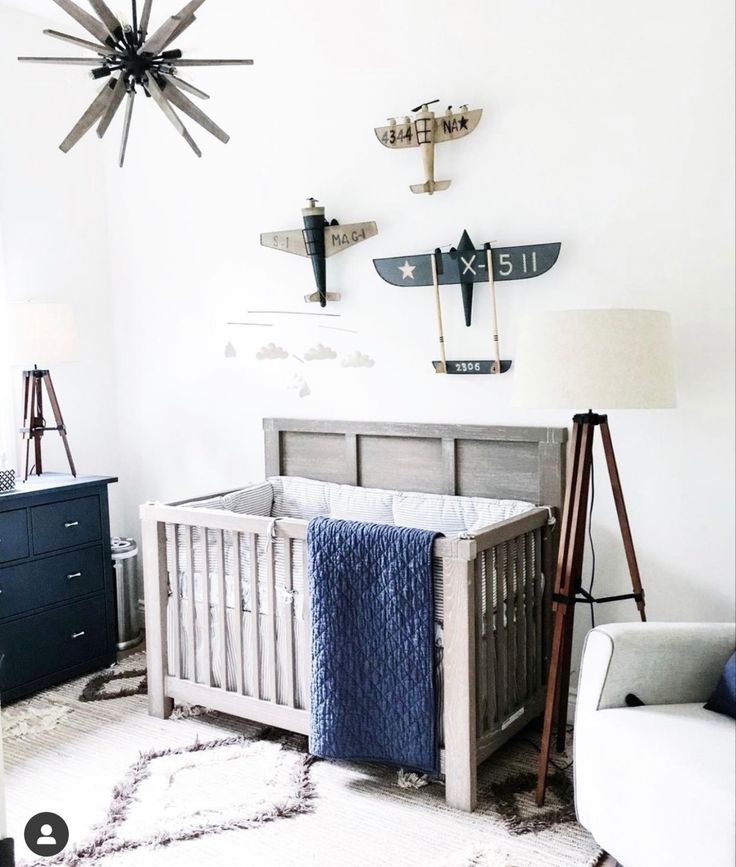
(184,62)
(107,16)
(137,60)
(181,101)
(166,108)
(75,40)
(184,24)
(186,85)
(90,23)
(146,17)
(63,61)
(89,118)
(126,128)
(112,109)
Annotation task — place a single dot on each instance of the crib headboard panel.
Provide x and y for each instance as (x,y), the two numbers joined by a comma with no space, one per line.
(521,463)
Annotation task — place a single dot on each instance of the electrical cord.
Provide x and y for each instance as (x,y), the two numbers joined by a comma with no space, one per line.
(552,762)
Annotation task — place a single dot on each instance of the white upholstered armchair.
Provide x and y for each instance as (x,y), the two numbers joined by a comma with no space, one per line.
(655,785)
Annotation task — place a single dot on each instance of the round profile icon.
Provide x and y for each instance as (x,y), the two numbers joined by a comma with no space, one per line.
(46,834)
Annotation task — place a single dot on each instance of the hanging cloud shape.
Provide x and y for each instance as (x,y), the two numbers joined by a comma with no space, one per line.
(300,385)
(320,353)
(271,351)
(357,359)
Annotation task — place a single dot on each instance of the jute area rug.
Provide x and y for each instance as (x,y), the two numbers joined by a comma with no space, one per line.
(207,789)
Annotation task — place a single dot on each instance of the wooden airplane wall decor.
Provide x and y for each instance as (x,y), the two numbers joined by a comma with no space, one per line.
(426,131)
(319,240)
(467,265)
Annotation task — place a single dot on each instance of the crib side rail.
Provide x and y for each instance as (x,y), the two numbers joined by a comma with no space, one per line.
(484,651)
(183,546)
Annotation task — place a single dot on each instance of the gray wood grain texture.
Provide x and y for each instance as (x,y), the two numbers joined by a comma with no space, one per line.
(459,660)
(470,460)
(155,577)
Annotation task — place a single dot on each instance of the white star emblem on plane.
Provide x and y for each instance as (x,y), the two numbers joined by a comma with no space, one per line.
(407,270)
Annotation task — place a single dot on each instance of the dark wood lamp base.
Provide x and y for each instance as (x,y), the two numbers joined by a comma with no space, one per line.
(568,589)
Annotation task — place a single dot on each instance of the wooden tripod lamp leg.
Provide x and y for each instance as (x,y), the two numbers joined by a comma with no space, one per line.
(27,413)
(569,567)
(37,423)
(623,519)
(61,427)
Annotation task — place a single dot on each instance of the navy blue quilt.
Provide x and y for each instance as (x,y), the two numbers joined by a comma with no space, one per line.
(373,691)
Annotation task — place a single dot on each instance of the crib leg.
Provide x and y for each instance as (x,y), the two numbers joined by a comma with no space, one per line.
(156,591)
(461,769)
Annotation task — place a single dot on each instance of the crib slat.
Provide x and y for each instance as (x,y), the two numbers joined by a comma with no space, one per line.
(238,589)
(512,696)
(287,624)
(270,635)
(529,630)
(222,607)
(491,626)
(175,603)
(254,615)
(191,646)
(502,668)
(482,636)
(538,608)
(306,627)
(520,619)
(206,636)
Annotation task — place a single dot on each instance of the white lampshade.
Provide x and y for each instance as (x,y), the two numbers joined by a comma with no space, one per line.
(595,359)
(42,334)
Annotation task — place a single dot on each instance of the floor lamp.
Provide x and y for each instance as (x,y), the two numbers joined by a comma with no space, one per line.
(43,333)
(572,359)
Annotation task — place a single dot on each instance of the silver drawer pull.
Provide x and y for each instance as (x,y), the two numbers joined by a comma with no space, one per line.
(73,576)
(70,524)
(78,635)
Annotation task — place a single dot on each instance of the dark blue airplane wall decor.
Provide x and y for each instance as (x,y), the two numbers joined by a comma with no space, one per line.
(466,265)
(318,240)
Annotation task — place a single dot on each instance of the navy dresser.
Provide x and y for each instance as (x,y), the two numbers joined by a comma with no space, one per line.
(57,597)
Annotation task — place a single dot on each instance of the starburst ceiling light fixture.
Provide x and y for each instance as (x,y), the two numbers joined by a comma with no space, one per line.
(129,58)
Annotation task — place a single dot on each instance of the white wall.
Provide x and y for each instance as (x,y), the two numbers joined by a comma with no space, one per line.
(608,127)
(53,229)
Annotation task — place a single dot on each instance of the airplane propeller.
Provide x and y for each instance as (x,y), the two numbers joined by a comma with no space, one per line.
(420,107)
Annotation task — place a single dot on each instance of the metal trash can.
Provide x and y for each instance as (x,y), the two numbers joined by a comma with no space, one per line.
(124,555)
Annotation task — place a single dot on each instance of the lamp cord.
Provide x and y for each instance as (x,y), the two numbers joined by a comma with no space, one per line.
(592,544)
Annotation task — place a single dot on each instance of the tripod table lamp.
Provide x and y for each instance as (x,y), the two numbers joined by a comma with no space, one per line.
(572,359)
(40,335)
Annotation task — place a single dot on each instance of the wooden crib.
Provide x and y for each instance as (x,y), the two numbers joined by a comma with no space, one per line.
(497,582)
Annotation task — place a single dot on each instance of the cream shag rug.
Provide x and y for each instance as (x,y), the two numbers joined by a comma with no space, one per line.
(206,789)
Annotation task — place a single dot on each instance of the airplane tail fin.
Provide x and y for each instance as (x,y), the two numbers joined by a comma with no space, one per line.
(315,298)
(431,187)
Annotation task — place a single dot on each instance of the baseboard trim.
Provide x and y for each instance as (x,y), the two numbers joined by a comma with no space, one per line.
(7,852)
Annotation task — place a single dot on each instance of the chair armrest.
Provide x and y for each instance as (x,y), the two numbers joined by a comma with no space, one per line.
(661,663)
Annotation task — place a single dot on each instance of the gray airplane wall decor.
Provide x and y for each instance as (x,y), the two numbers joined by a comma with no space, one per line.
(466,265)
(129,57)
(426,131)
(318,240)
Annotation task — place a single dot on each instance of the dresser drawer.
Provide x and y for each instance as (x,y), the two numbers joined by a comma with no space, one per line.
(63,525)
(13,535)
(43,644)
(51,580)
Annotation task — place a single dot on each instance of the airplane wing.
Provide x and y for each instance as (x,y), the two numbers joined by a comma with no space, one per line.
(339,238)
(400,135)
(456,125)
(470,266)
(287,242)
